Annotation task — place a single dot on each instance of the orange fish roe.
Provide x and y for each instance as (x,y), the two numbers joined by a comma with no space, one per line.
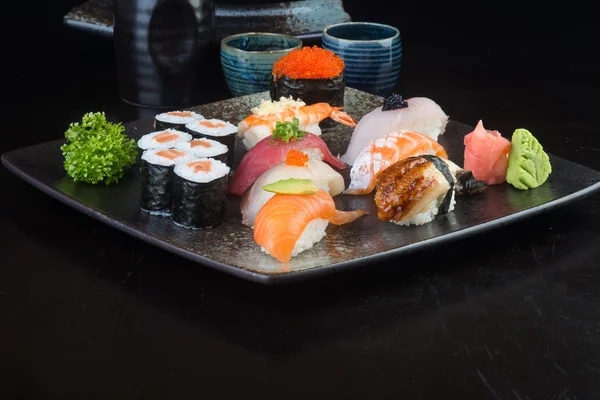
(201,143)
(165,136)
(200,166)
(209,124)
(296,158)
(309,63)
(180,113)
(170,154)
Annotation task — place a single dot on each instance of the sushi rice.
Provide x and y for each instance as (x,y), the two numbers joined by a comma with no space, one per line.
(154,157)
(210,148)
(149,141)
(429,214)
(170,118)
(212,127)
(313,233)
(218,170)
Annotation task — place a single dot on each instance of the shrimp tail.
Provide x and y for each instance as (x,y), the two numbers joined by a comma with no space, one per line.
(342,117)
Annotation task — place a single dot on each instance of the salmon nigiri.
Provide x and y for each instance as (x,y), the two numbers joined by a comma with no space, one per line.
(486,155)
(385,151)
(289,223)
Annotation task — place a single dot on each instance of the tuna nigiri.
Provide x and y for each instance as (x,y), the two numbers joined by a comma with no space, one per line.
(266,154)
(385,151)
(418,114)
(295,166)
(289,224)
(486,155)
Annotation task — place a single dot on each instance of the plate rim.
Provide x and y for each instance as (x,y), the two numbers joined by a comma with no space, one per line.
(292,276)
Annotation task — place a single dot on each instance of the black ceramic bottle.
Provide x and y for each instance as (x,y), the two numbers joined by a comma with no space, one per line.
(159,45)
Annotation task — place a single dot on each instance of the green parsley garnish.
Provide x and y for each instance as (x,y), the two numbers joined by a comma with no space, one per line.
(287,131)
(97,150)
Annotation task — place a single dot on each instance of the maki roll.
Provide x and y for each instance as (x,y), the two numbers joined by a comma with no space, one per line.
(199,193)
(165,139)
(157,179)
(218,130)
(205,148)
(311,74)
(175,119)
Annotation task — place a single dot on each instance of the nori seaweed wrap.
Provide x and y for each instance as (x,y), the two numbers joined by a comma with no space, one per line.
(157,179)
(200,194)
(310,91)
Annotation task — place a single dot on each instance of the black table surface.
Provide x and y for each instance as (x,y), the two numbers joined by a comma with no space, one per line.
(87,312)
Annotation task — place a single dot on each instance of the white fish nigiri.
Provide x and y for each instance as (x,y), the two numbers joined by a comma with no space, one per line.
(320,173)
(417,114)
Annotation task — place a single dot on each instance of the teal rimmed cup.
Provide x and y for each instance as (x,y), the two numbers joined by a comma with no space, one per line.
(372,54)
(247,59)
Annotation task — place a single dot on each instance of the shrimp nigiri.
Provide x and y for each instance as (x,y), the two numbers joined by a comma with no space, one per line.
(288,224)
(385,151)
(258,126)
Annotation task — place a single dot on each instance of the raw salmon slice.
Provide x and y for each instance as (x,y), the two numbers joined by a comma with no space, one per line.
(166,136)
(170,154)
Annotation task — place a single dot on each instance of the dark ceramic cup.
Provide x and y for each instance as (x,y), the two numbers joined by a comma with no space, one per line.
(247,59)
(159,45)
(372,54)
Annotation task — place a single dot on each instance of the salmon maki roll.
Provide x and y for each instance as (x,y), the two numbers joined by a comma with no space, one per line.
(384,151)
(218,130)
(175,119)
(165,139)
(205,148)
(157,179)
(199,193)
(289,224)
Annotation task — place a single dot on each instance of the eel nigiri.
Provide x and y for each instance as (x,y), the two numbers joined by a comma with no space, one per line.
(266,154)
(384,151)
(418,114)
(414,190)
(297,165)
(486,155)
(289,224)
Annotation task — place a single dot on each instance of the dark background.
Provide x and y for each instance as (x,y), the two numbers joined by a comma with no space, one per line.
(87,312)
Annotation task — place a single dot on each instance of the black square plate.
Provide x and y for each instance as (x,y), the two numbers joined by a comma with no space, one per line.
(230,247)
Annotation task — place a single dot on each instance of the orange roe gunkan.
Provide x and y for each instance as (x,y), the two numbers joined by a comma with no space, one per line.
(296,158)
(309,63)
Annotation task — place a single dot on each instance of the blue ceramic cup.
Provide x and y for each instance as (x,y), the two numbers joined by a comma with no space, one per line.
(372,54)
(247,59)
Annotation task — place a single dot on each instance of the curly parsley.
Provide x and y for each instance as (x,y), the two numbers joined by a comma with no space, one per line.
(97,150)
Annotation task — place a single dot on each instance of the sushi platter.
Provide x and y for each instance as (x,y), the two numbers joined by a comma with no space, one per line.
(308,178)
(229,244)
